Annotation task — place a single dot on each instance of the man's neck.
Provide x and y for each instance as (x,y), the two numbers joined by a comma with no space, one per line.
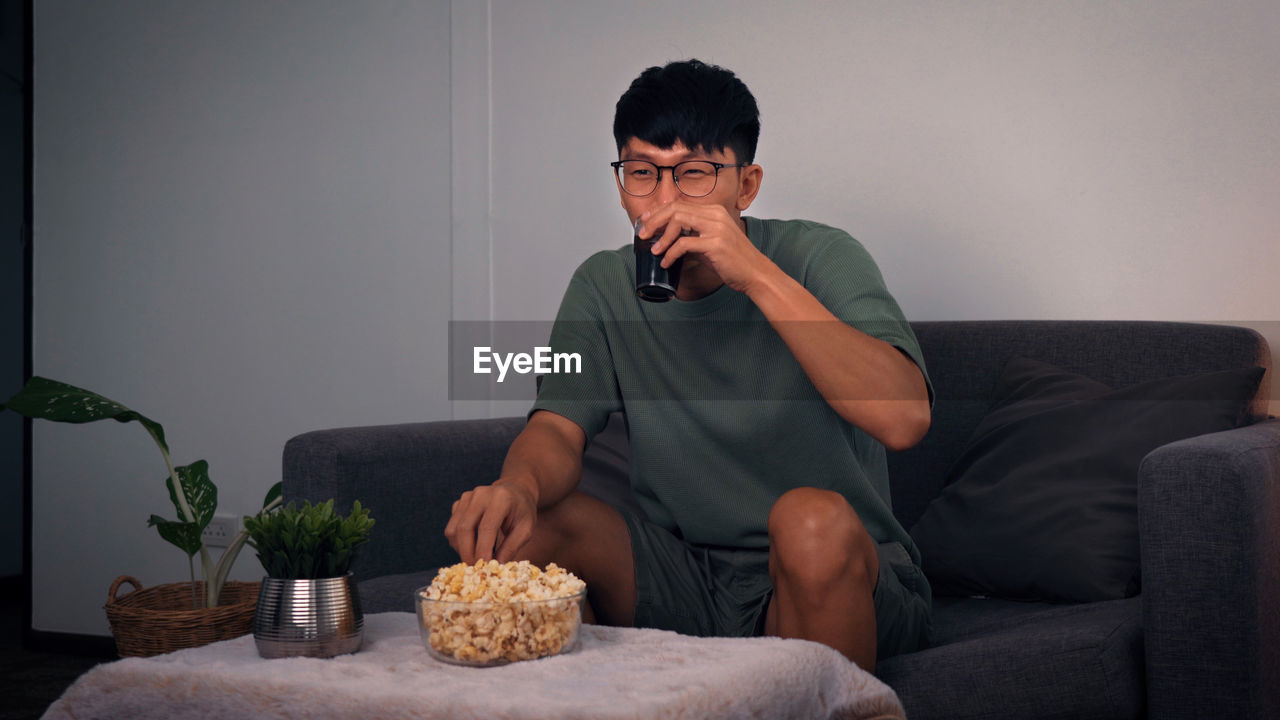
(697,285)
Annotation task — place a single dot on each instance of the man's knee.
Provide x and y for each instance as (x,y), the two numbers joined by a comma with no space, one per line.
(562,527)
(575,531)
(590,539)
(816,539)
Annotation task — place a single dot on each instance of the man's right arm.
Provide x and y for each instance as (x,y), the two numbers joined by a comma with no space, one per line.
(543,465)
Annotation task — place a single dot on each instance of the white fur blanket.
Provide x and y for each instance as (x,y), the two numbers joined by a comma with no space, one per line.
(614,673)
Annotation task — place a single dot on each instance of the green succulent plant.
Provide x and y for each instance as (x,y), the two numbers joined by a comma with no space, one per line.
(308,542)
(193,494)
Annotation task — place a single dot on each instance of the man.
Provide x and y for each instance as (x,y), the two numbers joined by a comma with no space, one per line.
(759,405)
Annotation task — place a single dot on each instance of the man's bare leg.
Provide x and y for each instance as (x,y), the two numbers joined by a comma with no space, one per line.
(590,539)
(824,569)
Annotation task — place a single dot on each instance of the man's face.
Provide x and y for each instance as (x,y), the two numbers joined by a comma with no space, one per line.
(728,191)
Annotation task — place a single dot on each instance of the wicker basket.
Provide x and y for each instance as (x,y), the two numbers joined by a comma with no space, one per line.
(161,619)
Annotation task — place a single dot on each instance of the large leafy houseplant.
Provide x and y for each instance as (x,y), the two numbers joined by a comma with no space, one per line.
(193,494)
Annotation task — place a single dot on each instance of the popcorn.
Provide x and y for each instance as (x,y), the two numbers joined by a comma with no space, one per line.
(493,613)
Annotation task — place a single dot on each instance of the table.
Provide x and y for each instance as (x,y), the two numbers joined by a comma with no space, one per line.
(614,673)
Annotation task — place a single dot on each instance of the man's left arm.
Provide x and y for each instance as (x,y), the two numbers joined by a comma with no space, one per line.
(867,381)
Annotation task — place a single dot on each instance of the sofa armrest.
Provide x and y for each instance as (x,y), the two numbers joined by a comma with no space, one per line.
(408,476)
(1209,526)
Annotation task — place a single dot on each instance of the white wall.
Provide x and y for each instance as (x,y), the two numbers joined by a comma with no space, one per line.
(1000,159)
(242,221)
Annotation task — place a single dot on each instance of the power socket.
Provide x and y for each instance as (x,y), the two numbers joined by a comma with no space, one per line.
(220,530)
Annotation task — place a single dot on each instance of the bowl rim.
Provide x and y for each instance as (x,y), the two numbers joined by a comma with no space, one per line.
(421,597)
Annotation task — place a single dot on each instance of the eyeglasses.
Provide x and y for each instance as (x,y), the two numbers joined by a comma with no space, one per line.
(695,178)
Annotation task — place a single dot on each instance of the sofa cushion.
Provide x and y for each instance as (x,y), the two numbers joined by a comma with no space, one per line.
(966,359)
(392,593)
(1002,659)
(1043,500)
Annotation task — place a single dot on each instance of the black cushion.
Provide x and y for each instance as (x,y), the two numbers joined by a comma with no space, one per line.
(1042,502)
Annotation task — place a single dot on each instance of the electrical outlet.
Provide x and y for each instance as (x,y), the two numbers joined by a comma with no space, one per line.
(220,530)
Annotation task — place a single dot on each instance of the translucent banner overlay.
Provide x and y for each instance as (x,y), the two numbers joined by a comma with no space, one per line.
(503,360)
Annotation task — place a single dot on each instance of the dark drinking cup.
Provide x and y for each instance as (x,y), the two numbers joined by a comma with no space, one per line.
(654,282)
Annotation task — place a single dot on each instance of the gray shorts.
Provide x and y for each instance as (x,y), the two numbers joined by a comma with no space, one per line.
(725,592)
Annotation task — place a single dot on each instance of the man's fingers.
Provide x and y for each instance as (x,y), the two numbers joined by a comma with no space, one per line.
(661,218)
(458,531)
(487,522)
(451,527)
(497,511)
(515,540)
(687,244)
(487,534)
(679,223)
(465,545)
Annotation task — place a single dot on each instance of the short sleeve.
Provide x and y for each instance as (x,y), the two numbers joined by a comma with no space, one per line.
(585,389)
(845,278)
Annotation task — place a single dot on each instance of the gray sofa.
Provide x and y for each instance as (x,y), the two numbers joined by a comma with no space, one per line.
(1201,639)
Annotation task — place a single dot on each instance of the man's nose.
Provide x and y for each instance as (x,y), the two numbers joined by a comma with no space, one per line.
(666,191)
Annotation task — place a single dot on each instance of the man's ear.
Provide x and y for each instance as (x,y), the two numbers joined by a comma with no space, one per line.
(748,186)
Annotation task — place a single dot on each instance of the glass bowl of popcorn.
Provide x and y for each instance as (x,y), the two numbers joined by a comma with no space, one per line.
(492,613)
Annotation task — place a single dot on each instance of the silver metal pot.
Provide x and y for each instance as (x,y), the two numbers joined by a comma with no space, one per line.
(311,618)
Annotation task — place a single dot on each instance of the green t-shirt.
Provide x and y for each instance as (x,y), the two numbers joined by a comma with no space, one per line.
(722,419)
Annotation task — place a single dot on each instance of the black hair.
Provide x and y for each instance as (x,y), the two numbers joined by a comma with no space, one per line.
(703,106)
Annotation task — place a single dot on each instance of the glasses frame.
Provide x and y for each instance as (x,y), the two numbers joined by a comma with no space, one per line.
(617,173)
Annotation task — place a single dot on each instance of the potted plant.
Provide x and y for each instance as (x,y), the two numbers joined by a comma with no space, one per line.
(148,622)
(307,552)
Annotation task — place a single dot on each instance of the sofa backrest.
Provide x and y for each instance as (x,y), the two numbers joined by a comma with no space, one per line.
(965,358)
